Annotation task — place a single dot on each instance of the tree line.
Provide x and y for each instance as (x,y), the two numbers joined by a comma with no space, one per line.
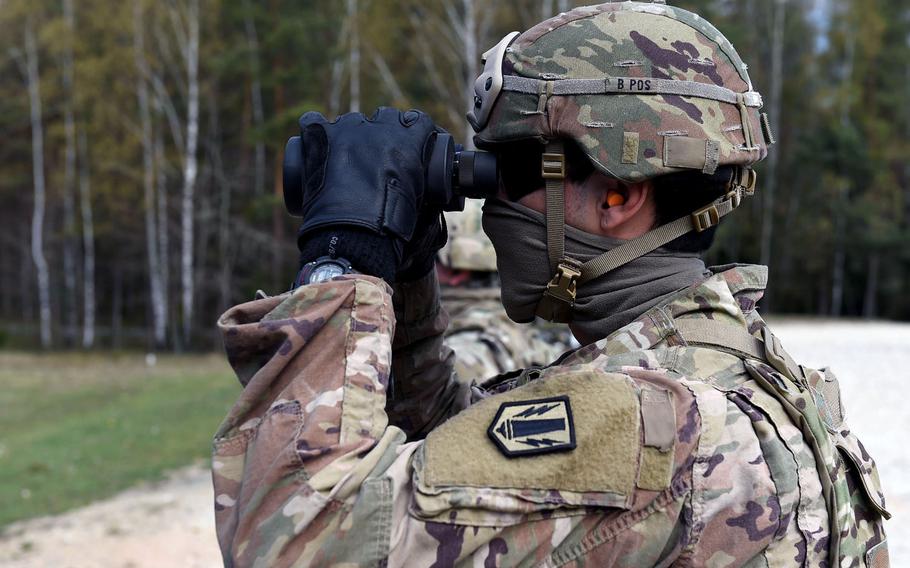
(140,164)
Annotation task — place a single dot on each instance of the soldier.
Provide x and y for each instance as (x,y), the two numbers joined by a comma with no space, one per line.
(681,433)
(485,341)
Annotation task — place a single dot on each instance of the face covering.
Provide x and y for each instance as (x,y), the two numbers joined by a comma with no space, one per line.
(602,305)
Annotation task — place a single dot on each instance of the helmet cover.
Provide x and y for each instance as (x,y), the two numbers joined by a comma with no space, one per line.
(644,89)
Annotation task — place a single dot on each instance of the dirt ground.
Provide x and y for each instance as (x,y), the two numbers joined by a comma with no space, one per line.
(164,524)
(171,524)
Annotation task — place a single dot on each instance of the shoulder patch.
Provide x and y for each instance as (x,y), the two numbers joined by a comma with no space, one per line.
(605,420)
(533,427)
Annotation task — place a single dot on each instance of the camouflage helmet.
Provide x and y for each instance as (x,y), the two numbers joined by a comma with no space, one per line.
(468,247)
(644,89)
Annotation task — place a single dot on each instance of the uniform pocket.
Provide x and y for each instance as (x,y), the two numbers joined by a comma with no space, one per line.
(228,464)
(271,440)
(862,467)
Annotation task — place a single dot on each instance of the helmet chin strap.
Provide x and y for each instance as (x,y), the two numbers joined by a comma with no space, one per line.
(559,297)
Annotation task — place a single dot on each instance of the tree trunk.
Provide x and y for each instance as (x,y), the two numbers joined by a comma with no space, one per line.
(824,298)
(424,43)
(34,94)
(770,186)
(335,91)
(88,246)
(278,255)
(6,288)
(26,284)
(70,307)
(354,56)
(393,89)
(837,279)
(870,302)
(190,168)
(224,207)
(546,9)
(469,41)
(154,276)
(163,227)
(838,266)
(117,309)
(252,39)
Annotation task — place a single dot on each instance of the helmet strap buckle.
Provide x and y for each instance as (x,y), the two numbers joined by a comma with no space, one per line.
(553,166)
(744,181)
(734,196)
(559,297)
(705,218)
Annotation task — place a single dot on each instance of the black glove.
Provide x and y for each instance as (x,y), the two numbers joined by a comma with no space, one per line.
(363,190)
(420,253)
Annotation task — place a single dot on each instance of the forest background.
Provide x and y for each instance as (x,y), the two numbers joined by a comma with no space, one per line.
(141,145)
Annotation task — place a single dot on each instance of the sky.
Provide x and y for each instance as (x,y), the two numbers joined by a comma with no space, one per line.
(820,16)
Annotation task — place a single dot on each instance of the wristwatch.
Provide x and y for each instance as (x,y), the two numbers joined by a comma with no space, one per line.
(323,269)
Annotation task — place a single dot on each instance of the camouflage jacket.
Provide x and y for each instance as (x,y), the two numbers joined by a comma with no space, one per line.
(487,343)
(652,447)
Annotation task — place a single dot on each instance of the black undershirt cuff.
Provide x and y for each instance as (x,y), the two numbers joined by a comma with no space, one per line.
(367,252)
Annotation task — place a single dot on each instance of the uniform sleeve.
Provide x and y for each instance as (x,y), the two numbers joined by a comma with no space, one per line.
(424,389)
(306,457)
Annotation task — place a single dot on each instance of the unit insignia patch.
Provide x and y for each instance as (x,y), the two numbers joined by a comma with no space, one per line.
(533,427)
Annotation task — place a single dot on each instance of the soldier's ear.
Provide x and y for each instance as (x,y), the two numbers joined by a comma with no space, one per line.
(626,210)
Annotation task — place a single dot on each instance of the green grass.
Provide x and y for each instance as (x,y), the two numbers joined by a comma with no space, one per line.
(76,428)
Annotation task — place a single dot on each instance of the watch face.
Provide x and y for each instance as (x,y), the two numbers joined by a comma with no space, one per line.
(326,271)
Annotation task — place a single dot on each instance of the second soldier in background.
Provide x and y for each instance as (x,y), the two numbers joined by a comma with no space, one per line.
(485,341)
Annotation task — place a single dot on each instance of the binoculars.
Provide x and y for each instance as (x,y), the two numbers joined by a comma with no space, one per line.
(452,175)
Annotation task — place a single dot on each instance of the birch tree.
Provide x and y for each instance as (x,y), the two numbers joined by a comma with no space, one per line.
(33,79)
(184,25)
(88,245)
(162,221)
(188,38)
(159,312)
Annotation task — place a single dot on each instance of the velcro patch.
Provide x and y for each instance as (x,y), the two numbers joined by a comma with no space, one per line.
(630,145)
(533,427)
(605,417)
(690,153)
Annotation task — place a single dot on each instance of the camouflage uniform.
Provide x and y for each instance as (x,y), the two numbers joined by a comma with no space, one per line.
(487,343)
(686,452)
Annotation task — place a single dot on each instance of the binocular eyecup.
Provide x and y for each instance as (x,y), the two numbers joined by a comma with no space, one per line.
(452,175)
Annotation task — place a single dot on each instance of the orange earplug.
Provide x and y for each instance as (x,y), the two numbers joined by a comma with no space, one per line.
(615,199)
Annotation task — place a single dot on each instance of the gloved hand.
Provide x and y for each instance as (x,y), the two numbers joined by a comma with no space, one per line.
(420,253)
(363,190)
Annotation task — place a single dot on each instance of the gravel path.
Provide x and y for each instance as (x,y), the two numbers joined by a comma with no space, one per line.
(167,524)
(171,523)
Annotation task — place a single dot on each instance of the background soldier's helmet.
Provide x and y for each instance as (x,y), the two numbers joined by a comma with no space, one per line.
(468,247)
(645,89)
